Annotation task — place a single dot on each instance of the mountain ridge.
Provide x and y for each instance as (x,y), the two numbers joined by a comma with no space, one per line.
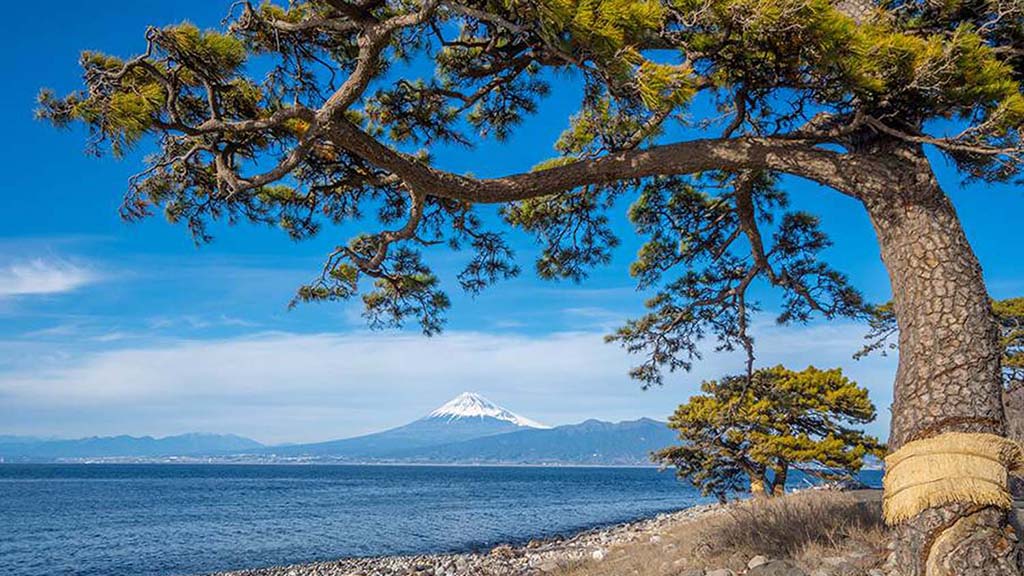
(123,445)
(591,442)
(468,429)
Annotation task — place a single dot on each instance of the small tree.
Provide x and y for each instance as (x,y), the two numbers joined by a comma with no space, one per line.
(1010,315)
(748,432)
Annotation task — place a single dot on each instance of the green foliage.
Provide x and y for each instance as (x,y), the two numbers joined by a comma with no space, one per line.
(126,103)
(1010,314)
(214,54)
(698,234)
(603,28)
(744,432)
(233,146)
(884,64)
(575,233)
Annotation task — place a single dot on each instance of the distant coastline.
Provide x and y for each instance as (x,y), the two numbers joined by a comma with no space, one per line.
(242,461)
(284,462)
(467,430)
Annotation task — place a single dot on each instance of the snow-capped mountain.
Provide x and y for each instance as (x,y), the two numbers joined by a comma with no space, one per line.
(465,417)
(473,405)
(469,429)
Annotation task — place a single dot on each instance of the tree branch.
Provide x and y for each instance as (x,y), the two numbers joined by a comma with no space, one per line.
(846,173)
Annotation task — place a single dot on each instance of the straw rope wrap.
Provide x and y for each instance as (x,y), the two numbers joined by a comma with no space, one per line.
(953,467)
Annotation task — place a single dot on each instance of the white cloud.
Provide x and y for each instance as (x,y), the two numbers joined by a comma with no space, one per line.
(39,276)
(300,387)
(361,367)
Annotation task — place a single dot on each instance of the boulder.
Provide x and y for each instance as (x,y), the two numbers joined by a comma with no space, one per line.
(841,565)
(503,551)
(720,572)
(756,561)
(776,568)
(737,562)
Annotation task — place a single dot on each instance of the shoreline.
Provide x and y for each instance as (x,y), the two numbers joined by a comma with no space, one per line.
(327,463)
(535,556)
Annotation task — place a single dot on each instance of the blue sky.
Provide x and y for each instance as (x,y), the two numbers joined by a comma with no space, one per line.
(109,328)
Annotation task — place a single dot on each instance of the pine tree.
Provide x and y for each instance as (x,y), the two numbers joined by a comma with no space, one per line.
(848,95)
(746,432)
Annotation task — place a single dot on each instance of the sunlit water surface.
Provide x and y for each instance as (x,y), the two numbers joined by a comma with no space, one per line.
(115,520)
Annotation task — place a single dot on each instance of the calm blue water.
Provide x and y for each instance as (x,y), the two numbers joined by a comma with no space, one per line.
(179,519)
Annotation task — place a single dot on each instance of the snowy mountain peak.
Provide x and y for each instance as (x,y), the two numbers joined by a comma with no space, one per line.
(472,405)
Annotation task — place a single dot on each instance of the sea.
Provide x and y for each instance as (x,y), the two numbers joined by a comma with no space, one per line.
(178,519)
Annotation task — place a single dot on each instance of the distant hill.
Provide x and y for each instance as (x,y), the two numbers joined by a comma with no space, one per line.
(20,448)
(592,442)
(6,439)
(465,417)
(469,429)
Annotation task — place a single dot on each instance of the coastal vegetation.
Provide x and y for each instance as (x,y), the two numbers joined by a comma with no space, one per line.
(854,96)
(812,532)
(743,434)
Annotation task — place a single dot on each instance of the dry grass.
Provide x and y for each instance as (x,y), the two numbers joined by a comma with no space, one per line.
(803,527)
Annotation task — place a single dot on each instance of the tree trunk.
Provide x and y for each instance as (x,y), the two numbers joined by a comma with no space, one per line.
(757,486)
(948,378)
(779,481)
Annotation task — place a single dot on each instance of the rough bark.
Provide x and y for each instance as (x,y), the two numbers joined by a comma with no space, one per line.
(948,377)
(1013,404)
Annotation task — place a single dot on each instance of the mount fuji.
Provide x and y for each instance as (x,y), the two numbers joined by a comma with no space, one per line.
(469,429)
(468,416)
(470,405)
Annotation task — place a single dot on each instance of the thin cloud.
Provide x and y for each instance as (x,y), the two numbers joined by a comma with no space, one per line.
(39,276)
(196,322)
(303,387)
(597,317)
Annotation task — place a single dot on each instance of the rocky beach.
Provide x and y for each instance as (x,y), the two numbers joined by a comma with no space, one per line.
(535,557)
(809,533)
